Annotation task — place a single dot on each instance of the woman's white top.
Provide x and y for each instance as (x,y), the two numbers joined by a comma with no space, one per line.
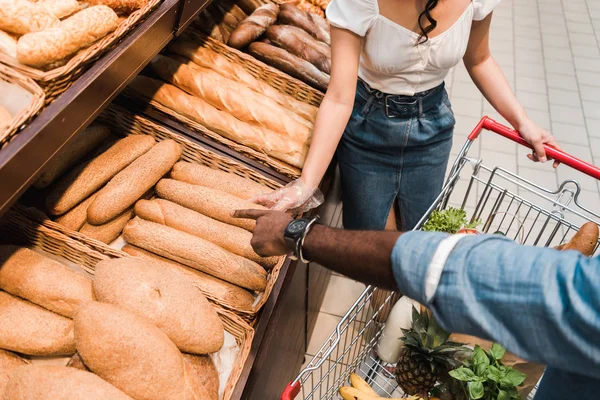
(390,60)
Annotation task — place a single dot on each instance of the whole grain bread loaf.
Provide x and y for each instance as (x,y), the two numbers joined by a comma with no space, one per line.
(204,367)
(9,362)
(76,218)
(43,281)
(77,362)
(37,382)
(163,296)
(108,232)
(29,329)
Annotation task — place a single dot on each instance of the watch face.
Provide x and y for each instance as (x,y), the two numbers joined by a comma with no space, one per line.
(296,226)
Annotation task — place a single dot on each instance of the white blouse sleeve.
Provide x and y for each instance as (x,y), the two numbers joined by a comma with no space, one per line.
(483,8)
(356,16)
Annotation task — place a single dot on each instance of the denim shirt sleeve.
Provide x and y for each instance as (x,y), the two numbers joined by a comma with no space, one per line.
(542,304)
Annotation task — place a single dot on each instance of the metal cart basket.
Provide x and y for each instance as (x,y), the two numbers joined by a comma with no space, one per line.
(504,202)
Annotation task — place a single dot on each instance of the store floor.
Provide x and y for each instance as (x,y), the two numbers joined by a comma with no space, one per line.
(550,53)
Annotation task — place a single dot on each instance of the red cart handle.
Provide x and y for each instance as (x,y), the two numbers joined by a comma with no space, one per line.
(558,155)
(291,391)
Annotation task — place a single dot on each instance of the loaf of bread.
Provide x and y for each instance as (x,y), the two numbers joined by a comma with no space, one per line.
(82,182)
(131,353)
(301,44)
(196,253)
(61,8)
(229,237)
(77,217)
(8,46)
(78,148)
(231,96)
(40,49)
(121,6)
(290,64)
(165,297)
(21,17)
(278,146)
(5,119)
(29,329)
(254,26)
(9,362)
(129,185)
(35,382)
(207,58)
(43,281)
(77,362)
(249,5)
(210,202)
(108,232)
(214,288)
(205,369)
(311,23)
(232,15)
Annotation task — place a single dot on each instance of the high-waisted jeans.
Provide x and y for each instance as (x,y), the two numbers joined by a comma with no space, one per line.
(394,149)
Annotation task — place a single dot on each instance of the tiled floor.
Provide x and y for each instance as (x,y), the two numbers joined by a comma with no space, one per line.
(550,53)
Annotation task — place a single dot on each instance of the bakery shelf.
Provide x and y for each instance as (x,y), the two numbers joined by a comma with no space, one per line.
(23,158)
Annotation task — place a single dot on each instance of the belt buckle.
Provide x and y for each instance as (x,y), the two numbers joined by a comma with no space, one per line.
(387,108)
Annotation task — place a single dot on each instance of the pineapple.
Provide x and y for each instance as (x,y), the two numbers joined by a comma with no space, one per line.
(426,355)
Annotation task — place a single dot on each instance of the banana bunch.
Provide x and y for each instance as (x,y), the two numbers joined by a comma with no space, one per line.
(360,390)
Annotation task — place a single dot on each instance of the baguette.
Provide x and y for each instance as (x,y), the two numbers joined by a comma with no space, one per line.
(59,383)
(130,184)
(207,58)
(210,202)
(214,288)
(82,145)
(248,6)
(108,232)
(121,6)
(5,119)
(232,19)
(301,44)
(196,253)
(8,46)
(233,97)
(290,64)
(254,26)
(285,149)
(197,174)
(52,45)
(42,281)
(21,17)
(204,368)
(9,362)
(87,179)
(292,15)
(61,8)
(29,329)
(77,217)
(229,237)
(165,297)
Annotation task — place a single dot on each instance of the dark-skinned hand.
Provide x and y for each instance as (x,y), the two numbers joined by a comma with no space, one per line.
(267,239)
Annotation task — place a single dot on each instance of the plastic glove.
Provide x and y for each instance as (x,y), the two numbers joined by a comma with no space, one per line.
(295,196)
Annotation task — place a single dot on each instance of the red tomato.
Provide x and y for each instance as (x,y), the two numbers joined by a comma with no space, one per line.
(469,231)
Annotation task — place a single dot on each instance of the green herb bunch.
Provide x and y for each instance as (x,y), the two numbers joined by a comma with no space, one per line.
(487,378)
(450,220)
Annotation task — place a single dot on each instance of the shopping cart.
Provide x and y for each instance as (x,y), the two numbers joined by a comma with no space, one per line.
(504,203)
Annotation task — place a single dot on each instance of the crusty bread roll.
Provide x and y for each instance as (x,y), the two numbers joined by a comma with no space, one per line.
(5,119)
(33,330)
(130,184)
(40,49)
(43,281)
(79,147)
(8,46)
(214,288)
(165,297)
(311,23)
(196,253)
(61,8)
(229,237)
(254,26)
(108,232)
(290,64)
(210,202)
(21,17)
(278,146)
(76,218)
(205,369)
(9,362)
(301,44)
(207,58)
(121,6)
(131,353)
(82,182)
(37,382)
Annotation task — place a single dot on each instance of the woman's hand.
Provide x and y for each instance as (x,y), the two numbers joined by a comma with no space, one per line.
(296,196)
(537,138)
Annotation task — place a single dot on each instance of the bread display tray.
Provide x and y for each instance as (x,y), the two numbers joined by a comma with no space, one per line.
(277,79)
(22,97)
(120,120)
(17,228)
(55,81)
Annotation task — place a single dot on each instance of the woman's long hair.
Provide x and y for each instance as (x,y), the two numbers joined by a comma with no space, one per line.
(432,23)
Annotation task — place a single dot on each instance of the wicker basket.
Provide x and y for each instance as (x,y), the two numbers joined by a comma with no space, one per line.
(120,121)
(55,81)
(17,228)
(27,114)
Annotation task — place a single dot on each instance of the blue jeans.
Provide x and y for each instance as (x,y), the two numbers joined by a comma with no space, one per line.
(394,150)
